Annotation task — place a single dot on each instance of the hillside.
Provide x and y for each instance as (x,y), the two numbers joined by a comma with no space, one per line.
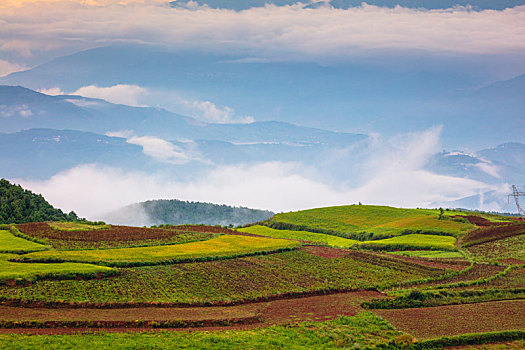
(19,206)
(176,212)
(372,222)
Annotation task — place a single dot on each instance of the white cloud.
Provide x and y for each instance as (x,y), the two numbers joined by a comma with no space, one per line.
(7,67)
(209,112)
(160,149)
(54,91)
(155,147)
(13,111)
(120,94)
(271,31)
(489,168)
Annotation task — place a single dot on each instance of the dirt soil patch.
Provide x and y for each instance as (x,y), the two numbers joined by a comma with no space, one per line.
(326,252)
(493,233)
(449,320)
(321,307)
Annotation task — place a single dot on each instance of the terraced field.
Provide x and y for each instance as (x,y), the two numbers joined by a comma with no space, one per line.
(226,246)
(247,278)
(323,239)
(265,282)
(9,243)
(364,222)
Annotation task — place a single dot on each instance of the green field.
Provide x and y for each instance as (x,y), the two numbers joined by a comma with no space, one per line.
(76,226)
(432,254)
(329,240)
(30,272)
(366,221)
(219,247)
(225,280)
(364,330)
(507,248)
(9,243)
(413,241)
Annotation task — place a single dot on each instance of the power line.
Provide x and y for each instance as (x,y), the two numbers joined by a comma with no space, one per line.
(515,193)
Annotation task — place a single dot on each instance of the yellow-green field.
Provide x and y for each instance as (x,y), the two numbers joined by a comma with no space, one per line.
(415,241)
(364,221)
(222,246)
(433,254)
(12,244)
(75,226)
(14,271)
(330,240)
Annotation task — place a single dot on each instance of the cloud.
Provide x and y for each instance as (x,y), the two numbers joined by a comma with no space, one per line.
(155,147)
(12,111)
(209,112)
(7,67)
(54,91)
(270,31)
(120,94)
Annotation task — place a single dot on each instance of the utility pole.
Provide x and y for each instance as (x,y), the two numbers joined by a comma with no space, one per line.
(515,193)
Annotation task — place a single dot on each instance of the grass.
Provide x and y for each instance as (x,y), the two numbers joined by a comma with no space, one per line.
(324,239)
(238,279)
(219,247)
(76,226)
(414,241)
(432,254)
(508,248)
(366,221)
(31,272)
(364,330)
(9,243)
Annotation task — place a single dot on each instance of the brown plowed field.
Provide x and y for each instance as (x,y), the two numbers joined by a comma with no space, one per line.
(449,320)
(493,233)
(320,307)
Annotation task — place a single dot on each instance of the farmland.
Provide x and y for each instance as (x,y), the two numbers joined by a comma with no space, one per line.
(321,238)
(269,285)
(365,222)
(74,236)
(221,247)
(9,243)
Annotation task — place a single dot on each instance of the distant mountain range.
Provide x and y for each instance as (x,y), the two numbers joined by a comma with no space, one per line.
(476,112)
(177,212)
(344,4)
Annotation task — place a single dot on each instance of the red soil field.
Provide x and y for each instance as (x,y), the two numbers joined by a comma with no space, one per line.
(493,233)
(321,307)
(114,233)
(449,320)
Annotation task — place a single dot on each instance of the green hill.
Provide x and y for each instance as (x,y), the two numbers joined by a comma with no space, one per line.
(176,212)
(18,206)
(364,222)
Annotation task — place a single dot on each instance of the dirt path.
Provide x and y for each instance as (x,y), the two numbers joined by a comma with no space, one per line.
(321,307)
(435,322)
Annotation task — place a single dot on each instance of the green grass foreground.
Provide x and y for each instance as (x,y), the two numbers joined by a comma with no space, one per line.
(9,243)
(31,272)
(368,221)
(219,247)
(364,330)
(431,254)
(330,240)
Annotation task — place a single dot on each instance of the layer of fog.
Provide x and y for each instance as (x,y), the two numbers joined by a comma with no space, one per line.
(393,175)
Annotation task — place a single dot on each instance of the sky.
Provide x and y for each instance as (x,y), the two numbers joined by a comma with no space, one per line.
(36,31)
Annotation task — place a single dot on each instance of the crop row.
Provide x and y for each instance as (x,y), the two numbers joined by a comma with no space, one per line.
(225,246)
(17,273)
(223,281)
(502,249)
(493,233)
(110,237)
(417,298)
